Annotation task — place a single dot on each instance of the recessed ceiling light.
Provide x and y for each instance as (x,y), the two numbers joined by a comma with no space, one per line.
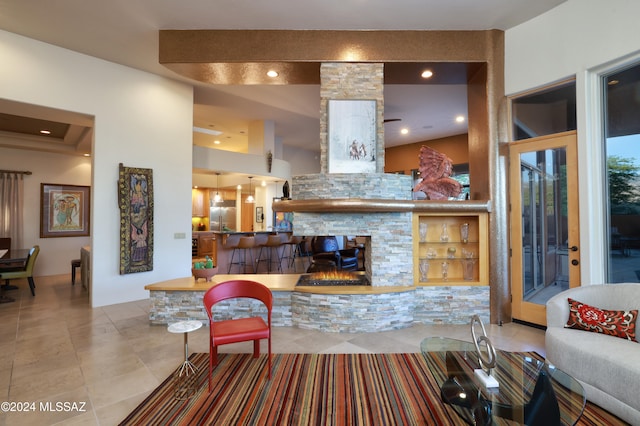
(272,73)
(45,132)
(404,131)
(427,74)
(216,142)
(87,155)
(459,119)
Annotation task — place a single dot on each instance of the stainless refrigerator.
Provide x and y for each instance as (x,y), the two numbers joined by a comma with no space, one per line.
(222,216)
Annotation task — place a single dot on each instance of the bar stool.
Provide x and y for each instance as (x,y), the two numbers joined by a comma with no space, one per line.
(245,244)
(75,263)
(292,250)
(271,246)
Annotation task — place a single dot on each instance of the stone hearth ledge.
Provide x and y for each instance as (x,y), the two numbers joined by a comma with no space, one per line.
(349,309)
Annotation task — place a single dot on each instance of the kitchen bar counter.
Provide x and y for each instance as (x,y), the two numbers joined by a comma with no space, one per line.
(225,241)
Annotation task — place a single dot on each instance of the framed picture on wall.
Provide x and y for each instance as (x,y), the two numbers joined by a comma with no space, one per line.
(259,215)
(64,210)
(351,136)
(283,221)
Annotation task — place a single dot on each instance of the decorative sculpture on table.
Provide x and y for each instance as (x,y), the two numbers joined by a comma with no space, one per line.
(435,170)
(487,358)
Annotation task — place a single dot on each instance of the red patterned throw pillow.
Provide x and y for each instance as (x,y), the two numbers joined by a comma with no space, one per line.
(613,323)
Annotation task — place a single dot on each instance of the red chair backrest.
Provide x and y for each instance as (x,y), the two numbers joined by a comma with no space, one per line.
(238,288)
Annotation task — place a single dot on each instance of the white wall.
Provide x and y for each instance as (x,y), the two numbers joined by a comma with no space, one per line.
(303,161)
(569,39)
(56,253)
(141,120)
(581,39)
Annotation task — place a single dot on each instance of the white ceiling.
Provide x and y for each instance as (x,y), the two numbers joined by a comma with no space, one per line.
(126,32)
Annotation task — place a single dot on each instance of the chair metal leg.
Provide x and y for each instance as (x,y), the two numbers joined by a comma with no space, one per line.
(233,253)
(32,286)
(253,269)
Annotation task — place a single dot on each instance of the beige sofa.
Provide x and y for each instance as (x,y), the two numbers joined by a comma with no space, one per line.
(607,367)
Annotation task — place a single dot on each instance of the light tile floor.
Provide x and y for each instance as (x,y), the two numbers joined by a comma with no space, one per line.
(55,348)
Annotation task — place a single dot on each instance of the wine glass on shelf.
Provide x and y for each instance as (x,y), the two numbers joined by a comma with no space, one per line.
(445,271)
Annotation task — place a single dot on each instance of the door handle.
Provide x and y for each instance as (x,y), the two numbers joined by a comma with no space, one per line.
(574,248)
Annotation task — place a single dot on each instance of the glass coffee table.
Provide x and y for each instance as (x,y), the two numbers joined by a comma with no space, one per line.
(530,391)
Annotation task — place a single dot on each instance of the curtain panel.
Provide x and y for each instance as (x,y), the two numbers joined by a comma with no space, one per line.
(11,206)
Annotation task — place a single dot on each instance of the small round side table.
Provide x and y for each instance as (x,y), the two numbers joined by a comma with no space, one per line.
(185,377)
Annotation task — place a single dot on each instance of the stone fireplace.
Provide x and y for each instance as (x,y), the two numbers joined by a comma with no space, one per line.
(388,251)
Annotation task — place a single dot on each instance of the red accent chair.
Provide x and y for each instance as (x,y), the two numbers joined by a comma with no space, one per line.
(238,329)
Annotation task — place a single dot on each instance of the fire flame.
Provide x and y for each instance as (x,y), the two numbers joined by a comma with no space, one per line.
(334,276)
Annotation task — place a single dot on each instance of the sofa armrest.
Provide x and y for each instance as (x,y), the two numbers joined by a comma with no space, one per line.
(557,310)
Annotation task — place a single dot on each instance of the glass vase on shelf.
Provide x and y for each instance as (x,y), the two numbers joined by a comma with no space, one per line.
(468,261)
(423,232)
(464,233)
(467,269)
(424,269)
(431,253)
(444,235)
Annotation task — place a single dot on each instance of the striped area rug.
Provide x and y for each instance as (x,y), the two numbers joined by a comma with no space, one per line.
(312,389)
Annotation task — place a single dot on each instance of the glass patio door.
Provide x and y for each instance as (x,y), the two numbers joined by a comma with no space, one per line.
(544,223)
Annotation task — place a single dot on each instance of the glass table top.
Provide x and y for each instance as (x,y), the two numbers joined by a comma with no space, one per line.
(530,390)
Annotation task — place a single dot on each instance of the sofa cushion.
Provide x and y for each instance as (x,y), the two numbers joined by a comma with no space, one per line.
(613,323)
(607,363)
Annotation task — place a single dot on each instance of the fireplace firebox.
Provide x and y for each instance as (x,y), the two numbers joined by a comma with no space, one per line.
(333,278)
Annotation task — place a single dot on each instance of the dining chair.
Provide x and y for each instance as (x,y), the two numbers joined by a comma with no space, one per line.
(26,272)
(325,247)
(5,243)
(238,329)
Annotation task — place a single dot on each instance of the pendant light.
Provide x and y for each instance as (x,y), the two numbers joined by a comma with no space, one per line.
(250,198)
(217,198)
